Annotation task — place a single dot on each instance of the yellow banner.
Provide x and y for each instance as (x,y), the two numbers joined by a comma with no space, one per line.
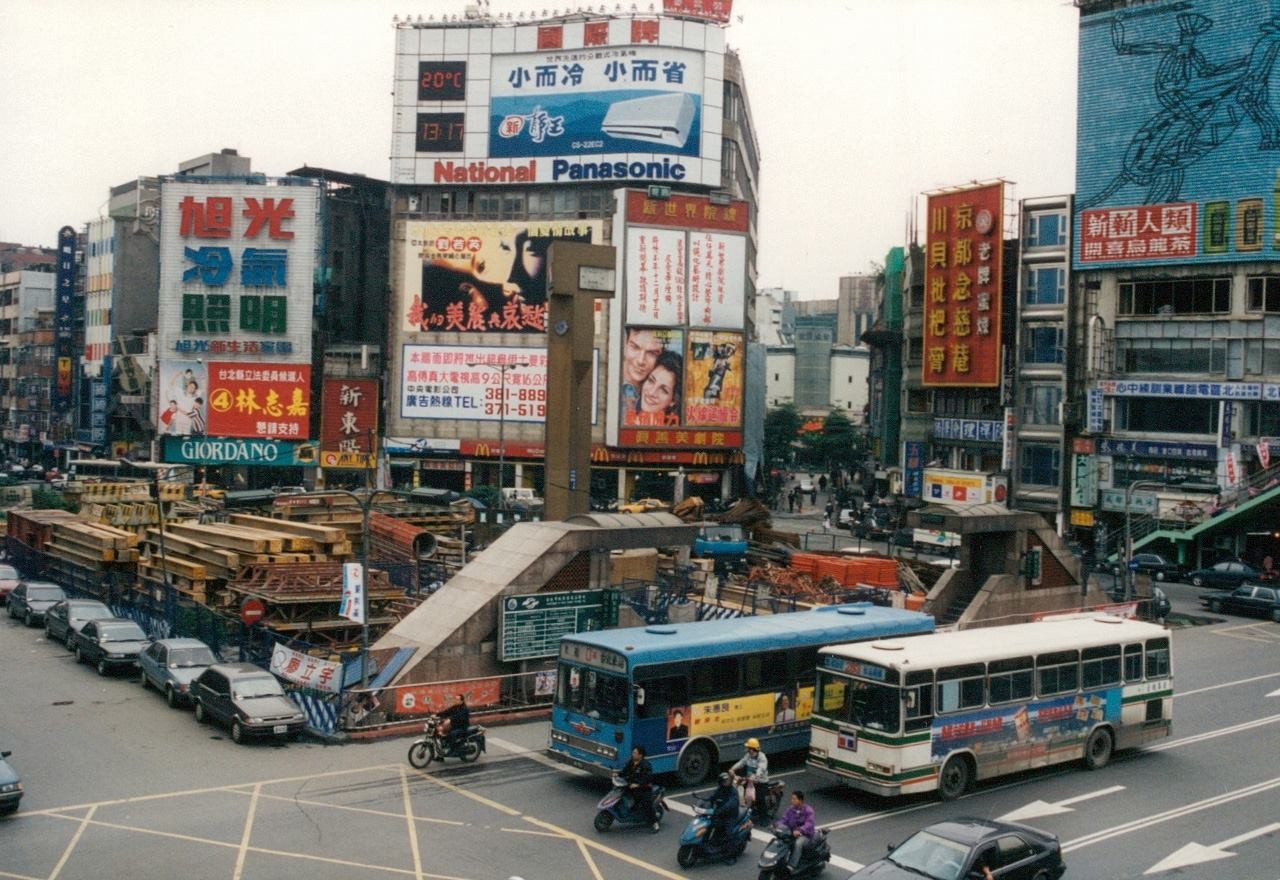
(1081,517)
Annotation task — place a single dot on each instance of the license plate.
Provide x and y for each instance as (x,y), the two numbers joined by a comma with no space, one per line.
(280,728)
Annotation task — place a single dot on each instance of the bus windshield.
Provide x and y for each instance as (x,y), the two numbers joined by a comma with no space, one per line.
(874,706)
(592,692)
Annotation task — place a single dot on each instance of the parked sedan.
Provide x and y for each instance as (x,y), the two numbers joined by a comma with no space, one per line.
(63,620)
(110,643)
(170,665)
(1159,567)
(1224,574)
(9,578)
(29,600)
(962,848)
(246,698)
(1253,599)
(10,786)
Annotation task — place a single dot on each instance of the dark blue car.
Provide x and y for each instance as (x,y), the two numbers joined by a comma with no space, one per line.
(1228,573)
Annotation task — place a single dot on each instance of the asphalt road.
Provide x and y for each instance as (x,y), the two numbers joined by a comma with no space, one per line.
(120,786)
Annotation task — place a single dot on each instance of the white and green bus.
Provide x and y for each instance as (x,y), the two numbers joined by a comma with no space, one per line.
(940,711)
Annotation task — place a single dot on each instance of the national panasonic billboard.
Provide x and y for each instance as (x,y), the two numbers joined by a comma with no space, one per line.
(616,99)
(1178,135)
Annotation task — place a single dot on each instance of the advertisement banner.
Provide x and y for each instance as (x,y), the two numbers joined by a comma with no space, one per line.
(229,450)
(349,416)
(352,592)
(913,468)
(482,277)
(655,277)
(711,10)
(259,400)
(648,99)
(183,394)
(306,671)
(429,699)
(64,312)
(963,260)
(1177,130)
(963,488)
(713,380)
(1084,486)
(653,368)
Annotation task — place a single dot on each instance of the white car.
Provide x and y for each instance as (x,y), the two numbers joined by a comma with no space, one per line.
(806,485)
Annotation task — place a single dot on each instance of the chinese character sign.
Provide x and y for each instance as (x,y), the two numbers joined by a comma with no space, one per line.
(655,276)
(962,296)
(482,277)
(352,592)
(64,318)
(350,415)
(641,99)
(259,400)
(1176,134)
(305,670)
(711,10)
(713,379)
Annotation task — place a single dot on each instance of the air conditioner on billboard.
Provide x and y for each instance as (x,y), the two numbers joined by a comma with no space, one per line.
(662,119)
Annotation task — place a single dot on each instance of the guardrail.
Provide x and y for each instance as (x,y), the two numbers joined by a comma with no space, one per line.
(396,706)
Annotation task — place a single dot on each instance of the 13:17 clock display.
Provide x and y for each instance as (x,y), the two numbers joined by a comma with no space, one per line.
(439,133)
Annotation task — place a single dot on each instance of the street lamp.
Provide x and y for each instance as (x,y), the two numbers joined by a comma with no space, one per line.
(502,418)
(1129,591)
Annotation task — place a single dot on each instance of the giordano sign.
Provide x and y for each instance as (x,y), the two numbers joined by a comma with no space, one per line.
(228,450)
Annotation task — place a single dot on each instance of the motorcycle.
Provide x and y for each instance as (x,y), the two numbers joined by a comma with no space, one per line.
(615,807)
(695,845)
(435,744)
(775,861)
(768,799)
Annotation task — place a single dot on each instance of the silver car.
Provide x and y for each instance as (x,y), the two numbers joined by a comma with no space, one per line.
(64,620)
(170,665)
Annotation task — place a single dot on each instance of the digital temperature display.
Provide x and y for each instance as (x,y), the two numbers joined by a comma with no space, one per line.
(442,80)
(439,133)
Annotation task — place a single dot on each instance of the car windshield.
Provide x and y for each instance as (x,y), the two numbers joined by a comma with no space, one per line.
(8,573)
(594,693)
(931,855)
(185,658)
(259,686)
(858,702)
(50,593)
(122,632)
(88,611)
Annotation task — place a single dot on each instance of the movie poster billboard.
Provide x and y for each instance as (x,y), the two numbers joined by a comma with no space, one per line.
(1176,158)
(713,379)
(482,277)
(653,369)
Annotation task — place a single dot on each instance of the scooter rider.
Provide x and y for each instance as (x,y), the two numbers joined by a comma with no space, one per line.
(799,819)
(459,718)
(724,807)
(638,773)
(752,768)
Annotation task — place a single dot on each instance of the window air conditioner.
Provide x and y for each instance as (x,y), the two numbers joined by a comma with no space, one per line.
(663,119)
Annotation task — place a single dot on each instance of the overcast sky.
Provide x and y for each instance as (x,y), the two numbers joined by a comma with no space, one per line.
(859,106)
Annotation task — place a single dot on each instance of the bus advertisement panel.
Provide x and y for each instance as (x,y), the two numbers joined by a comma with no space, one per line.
(692,693)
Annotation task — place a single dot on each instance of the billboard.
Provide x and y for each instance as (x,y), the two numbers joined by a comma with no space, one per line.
(1178,138)
(713,379)
(349,415)
(259,400)
(64,312)
(475,382)
(964,488)
(963,258)
(183,394)
(616,98)
(482,277)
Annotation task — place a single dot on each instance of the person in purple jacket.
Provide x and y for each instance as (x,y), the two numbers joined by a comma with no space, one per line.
(799,820)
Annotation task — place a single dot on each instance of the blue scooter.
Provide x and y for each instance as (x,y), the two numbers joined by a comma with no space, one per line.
(696,847)
(616,808)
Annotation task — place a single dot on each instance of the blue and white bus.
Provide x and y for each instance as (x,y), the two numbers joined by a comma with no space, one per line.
(692,693)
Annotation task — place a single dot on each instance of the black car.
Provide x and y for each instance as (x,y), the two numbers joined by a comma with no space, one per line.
(63,620)
(961,848)
(10,786)
(246,698)
(1229,573)
(1254,599)
(1159,567)
(110,643)
(29,600)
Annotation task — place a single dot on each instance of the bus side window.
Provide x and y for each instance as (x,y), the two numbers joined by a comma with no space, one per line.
(1158,665)
(801,665)
(760,671)
(661,694)
(1100,666)
(1133,662)
(961,687)
(1059,673)
(919,700)
(1010,680)
(711,677)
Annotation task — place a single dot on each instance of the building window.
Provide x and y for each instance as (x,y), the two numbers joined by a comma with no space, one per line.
(488,204)
(1262,357)
(918,400)
(1179,296)
(1045,286)
(1045,230)
(1166,415)
(1264,293)
(1040,405)
(1177,356)
(1040,465)
(1261,419)
(1042,345)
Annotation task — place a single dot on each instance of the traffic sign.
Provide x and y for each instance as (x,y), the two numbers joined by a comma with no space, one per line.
(1133,565)
(251,611)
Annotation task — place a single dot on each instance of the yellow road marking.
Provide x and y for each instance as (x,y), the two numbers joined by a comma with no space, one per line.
(591,863)
(248,833)
(617,854)
(75,841)
(413,828)
(479,798)
(387,814)
(533,833)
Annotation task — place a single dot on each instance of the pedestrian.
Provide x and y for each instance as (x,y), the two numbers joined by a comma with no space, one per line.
(822,482)
(791,500)
(813,496)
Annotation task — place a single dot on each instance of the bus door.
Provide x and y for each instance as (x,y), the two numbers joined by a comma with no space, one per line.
(661,722)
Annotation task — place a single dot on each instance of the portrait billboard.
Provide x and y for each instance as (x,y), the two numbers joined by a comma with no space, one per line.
(1178,138)
(183,394)
(713,379)
(259,400)
(482,277)
(653,368)
(963,258)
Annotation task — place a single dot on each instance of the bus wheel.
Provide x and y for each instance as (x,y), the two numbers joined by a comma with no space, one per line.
(695,763)
(955,777)
(1097,749)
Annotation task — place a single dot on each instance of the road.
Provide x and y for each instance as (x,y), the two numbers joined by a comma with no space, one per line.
(118,785)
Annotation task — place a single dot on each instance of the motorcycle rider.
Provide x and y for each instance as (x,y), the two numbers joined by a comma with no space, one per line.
(724,807)
(459,718)
(799,820)
(638,773)
(752,768)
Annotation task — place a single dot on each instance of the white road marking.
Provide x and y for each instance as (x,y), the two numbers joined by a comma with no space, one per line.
(1036,809)
(1227,684)
(1195,854)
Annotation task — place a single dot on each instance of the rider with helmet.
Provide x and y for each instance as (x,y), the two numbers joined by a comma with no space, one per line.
(752,768)
(724,806)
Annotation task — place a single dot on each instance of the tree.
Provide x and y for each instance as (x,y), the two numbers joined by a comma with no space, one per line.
(781,427)
(838,445)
